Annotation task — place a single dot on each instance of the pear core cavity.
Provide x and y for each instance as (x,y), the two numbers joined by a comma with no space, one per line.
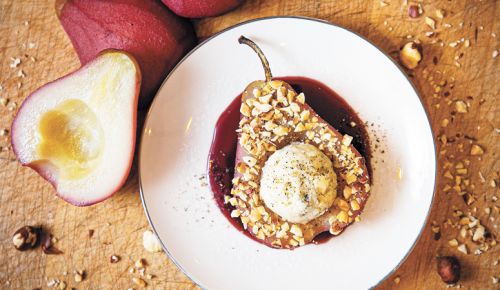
(71,138)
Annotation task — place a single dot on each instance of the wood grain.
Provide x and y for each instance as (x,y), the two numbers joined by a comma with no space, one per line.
(29,30)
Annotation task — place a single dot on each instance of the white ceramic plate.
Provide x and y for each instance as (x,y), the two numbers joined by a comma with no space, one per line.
(178,133)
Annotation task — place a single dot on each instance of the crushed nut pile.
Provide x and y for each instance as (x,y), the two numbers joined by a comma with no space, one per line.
(471,225)
(139,267)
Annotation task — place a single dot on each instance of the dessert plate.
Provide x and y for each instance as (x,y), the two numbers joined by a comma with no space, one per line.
(178,132)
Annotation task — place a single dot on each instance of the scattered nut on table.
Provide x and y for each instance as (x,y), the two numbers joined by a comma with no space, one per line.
(139,282)
(78,277)
(410,55)
(47,241)
(25,238)
(448,268)
(114,259)
(150,242)
(413,11)
(139,264)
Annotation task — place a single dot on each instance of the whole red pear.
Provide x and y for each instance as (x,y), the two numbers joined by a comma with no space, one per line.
(156,37)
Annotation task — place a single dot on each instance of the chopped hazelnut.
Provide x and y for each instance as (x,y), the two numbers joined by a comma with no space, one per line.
(413,11)
(461,107)
(347,192)
(494,279)
(139,282)
(78,277)
(62,285)
(476,150)
(346,140)
(463,248)
(139,264)
(114,259)
(245,110)
(430,22)
(440,13)
(342,216)
(355,205)
(301,98)
(4,101)
(281,131)
(410,55)
(151,242)
(47,241)
(479,234)
(235,213)
(25,238)
(448,269)
(453,243)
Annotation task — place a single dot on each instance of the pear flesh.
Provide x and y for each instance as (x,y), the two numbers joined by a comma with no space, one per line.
(78,132)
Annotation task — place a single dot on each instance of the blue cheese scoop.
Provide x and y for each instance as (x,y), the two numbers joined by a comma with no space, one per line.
(298,183)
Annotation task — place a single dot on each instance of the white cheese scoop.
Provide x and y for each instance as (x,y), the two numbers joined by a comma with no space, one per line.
(298,183)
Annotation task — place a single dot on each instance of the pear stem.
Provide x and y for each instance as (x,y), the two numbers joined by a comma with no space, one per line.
(263,59)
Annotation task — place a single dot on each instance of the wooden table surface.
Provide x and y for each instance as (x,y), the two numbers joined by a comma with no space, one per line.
(31,32)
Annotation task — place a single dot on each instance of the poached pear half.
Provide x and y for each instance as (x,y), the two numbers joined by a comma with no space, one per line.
(296,176)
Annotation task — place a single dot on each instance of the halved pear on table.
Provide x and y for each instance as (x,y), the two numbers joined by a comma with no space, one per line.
(78,132)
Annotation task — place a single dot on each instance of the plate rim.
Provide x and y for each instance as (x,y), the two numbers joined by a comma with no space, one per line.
(322,21)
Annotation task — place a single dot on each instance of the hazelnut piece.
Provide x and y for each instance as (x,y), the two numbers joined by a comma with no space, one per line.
(410,55)
(114,259)
(448,268)
(48,246)
(25,238)
(476,150)
(150,242)
(413,11)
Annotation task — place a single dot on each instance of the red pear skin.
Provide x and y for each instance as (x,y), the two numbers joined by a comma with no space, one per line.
(46,169)
(201,8)
(156,37)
